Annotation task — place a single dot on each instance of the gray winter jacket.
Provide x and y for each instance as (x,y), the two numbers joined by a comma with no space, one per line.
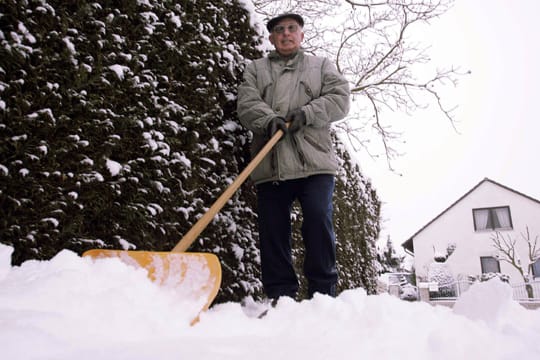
(273,86)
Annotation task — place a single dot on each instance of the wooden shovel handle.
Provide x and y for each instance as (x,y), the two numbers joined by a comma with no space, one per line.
(201,224)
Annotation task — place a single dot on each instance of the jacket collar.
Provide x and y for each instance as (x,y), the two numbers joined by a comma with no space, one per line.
(290,60)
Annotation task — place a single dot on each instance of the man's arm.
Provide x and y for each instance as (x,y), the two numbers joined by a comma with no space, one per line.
(252,111)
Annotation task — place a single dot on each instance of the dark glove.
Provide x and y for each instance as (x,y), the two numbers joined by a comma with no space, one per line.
(276,124)
(297,118)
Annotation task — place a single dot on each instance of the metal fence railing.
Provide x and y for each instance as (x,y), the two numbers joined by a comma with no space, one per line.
(527,292)
(449,291)
(521,292)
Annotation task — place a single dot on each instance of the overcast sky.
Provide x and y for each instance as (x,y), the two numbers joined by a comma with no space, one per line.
(498,117)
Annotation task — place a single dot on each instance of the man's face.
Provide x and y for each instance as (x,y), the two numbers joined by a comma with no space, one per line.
(286,37)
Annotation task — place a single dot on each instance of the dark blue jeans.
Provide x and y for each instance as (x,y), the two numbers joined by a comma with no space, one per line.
(275,200)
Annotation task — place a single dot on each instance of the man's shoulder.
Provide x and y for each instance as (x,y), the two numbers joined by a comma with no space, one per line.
(315,57)
(259,64)
(256,64)
(314,60)
(260,60)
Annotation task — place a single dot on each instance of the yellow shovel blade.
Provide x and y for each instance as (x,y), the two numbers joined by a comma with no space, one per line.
(199,274)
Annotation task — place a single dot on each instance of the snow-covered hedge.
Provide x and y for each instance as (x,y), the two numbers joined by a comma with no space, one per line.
(118,130)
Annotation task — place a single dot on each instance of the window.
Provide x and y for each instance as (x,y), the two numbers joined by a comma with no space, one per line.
(489,265)
(492,218)
(536,269)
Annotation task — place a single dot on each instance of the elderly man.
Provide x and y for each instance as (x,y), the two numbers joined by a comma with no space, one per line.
(289,86)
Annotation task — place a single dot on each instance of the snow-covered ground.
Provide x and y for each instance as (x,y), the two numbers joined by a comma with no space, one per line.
(73,308)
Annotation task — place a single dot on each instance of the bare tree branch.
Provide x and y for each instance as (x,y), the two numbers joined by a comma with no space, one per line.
(506,246)
(372,44)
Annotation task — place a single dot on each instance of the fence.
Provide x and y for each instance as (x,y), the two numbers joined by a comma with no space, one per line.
(521,292)
(449,291)
(527,292)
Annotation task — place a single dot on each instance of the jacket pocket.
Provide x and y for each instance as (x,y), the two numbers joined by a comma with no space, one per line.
(264,82)
(305,90)
(318,139)
(311,78)
(318,150)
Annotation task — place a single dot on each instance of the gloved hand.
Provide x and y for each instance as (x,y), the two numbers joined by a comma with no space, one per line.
(297,118)
(275,124)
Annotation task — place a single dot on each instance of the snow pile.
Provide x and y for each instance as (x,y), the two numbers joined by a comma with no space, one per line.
(5,259)
(71,307)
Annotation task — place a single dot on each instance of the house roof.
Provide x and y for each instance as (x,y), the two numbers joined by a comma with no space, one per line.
(408,244)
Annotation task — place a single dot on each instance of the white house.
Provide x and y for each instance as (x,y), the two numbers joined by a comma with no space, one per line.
(470,224)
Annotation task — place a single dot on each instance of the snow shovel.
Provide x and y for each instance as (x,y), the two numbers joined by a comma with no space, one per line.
(194,275)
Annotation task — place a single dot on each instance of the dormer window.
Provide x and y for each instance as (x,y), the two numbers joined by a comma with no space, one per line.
(494,218)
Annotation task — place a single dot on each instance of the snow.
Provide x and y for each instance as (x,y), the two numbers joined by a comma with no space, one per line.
(31,39)
(53,221)
(175,19)
(113,166)
(72,307)
(119,70)
(70,46)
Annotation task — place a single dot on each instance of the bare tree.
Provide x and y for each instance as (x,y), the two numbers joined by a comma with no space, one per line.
(507,250)
(373,44)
